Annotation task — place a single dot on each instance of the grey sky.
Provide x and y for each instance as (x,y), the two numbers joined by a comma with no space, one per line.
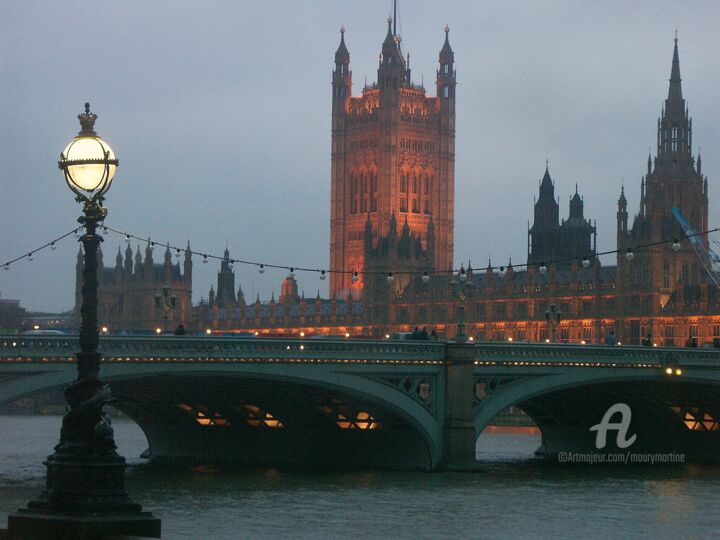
(220,115)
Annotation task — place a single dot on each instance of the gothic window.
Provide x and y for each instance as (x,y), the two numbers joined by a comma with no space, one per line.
(446,91)
(426,195)
(666,275)
(446,68)
(403,192)
(415,194)
(694,331)
(716,330)
(638,275)
(363,193)
(674,139)
(353,194)
(685,272)
(373,192)
(587,333)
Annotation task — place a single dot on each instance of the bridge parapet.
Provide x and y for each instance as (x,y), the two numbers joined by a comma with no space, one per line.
(570,355)
(197,349)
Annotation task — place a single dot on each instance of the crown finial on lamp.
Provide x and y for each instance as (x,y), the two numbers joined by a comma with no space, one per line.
(87,122)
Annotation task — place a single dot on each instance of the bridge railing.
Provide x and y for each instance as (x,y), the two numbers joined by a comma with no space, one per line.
(183,348)
(576,355)
(164,348)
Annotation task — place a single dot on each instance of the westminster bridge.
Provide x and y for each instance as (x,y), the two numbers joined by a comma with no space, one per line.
(404,404)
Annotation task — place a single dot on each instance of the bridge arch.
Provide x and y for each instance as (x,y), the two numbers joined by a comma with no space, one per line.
(670,414)
(407,427)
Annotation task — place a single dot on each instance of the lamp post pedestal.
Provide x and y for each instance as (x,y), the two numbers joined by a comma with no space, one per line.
(84,495)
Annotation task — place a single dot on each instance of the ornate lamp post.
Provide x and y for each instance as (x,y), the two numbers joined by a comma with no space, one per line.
(85,493)
(462,289)
(553,316)
(165,301)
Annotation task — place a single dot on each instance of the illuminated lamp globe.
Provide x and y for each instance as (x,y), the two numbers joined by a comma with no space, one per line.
(88,161)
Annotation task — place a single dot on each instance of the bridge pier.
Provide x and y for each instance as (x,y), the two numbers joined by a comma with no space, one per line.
(459,422)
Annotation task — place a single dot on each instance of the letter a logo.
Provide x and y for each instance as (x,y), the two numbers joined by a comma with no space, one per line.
(621,427)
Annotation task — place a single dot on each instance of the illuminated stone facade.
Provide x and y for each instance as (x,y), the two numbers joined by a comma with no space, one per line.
(393,158)
(661,294)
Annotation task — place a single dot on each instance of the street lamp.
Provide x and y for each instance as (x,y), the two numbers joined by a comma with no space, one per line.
(165,301)
(85,493)
(553,316)
(462,289)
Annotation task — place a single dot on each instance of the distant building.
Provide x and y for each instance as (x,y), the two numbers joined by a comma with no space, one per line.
(127,291)
(658,294)
(392,161)
(11,314)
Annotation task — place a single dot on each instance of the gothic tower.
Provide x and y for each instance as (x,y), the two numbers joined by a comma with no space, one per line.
(672,180)
(393,154)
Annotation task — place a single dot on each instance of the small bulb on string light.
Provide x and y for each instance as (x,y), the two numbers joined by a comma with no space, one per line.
(77,232)
(629,255)
(676,245)
(322,274)
(151,246)
(291,275)
(231,264)
(543,268)
(205,259)
(390,277)
(105,230)
(6,267)
(355,277)
(586,262)
(463,274)
(425,277)
(261,269)
(127,238)
(503,271)
(177,253)
(53,247)
(30,256)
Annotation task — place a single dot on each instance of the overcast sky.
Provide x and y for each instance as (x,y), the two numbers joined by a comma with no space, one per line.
(220,115)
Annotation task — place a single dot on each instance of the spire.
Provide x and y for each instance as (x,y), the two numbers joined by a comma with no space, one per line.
(576,206)
(675,90)
(342,55)
(446,53)
(394,18)
(546,185)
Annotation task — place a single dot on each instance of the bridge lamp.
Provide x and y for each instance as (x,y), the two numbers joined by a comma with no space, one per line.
(208,331)
(158,331)
(85,485)
(678,371)
(669,371)
(36,327)
(104,329)
(347,334)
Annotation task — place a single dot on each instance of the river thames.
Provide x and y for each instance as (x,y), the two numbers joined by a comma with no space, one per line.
(513,495)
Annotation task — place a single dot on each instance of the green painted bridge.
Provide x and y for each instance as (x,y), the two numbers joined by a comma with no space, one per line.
(381,403)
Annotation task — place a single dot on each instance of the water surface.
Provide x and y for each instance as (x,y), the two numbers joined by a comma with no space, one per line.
(512,496)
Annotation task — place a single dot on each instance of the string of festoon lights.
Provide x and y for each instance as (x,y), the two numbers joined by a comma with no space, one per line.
(461,272)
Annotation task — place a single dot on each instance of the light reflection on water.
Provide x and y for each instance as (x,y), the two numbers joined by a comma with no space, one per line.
(513,495)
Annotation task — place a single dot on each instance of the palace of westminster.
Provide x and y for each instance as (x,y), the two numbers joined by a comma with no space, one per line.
(391,227)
